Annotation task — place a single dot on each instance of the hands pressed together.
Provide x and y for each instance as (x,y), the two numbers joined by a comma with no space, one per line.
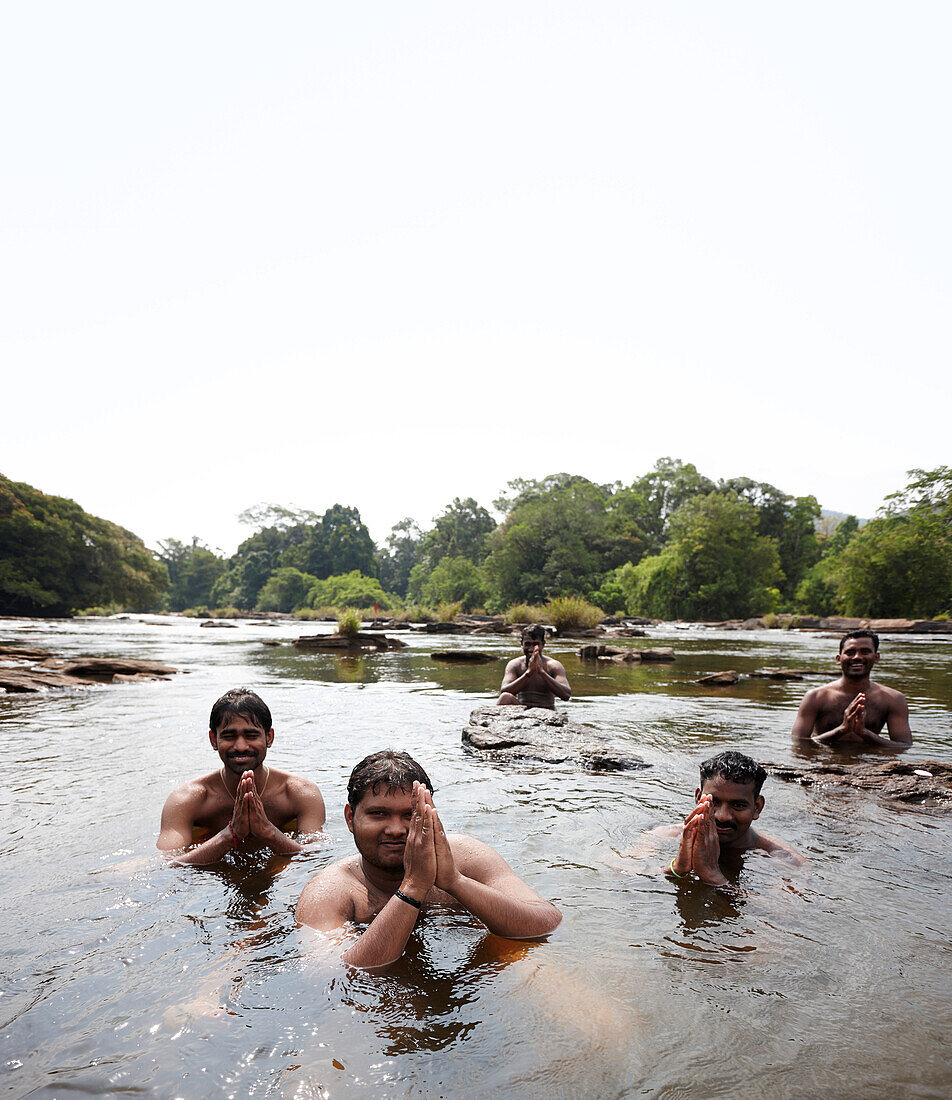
(427,857)
(248,817)
(700,848)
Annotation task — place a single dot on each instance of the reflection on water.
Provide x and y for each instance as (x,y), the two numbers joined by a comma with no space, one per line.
(122,972)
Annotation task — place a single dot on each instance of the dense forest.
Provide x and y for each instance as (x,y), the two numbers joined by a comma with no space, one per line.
(672,544)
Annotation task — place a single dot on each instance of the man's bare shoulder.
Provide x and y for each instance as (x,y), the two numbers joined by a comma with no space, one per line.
(771,846)
(890,695)
(515,664)
(194,792)
(299,787)
(471,854)
(552,663)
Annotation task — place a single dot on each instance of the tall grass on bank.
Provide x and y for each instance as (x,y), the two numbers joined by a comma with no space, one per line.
(447,612)
(572,613)
(524,613)
(349,622)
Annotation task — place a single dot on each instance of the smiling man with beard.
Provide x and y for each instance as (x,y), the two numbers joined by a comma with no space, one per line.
(852,710)
(245,803)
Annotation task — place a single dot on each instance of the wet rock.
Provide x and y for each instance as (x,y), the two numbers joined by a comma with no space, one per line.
(271,641)
(729,676)
(217,622)
(787,673)
(927,783)
(659,653)
(752,624)
(27,674)
(594,652)
(516,734)
(353,643)
(463,656)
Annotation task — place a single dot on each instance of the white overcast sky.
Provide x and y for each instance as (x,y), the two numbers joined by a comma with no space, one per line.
(387,254)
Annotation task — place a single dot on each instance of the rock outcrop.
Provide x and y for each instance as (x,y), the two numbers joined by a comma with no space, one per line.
(463,656)
(517,734)
(614,653)
(927,783)
(348,642)
(718,679)
(33,670)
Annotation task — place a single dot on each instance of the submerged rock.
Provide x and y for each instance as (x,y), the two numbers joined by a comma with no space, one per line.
(463,656)
(787,673)
(516,734)
(924,783)
(715,679)
(348,642)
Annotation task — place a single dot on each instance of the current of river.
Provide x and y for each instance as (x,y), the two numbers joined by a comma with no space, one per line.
(124,975)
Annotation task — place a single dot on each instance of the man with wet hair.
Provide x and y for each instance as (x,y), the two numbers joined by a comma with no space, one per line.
(852,710)
(244,804)
(718,831)
(533,680)
(406,864)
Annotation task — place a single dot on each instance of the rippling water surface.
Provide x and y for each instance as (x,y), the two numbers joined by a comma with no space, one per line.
(121,974)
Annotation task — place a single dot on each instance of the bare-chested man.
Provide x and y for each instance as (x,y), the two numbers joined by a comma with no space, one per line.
(719,830)
(245,803)
(852,710)
(533,680)
(405,864)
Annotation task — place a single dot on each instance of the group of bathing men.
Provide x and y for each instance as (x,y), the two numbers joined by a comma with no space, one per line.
(406,862)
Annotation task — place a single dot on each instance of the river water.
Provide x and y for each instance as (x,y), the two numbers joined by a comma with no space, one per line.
(121,974)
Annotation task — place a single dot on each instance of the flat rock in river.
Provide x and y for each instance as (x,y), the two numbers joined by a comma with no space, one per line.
(534,733)
(926,782)
(463,656)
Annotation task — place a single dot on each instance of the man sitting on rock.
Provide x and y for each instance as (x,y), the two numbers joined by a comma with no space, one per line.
(533,680)
(406,864)
(244,804)
(718,831)
(852,710)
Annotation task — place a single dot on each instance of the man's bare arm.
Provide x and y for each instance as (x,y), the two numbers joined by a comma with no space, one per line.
(805,721)
(308,804)
(897,720)
(514,681)
(556,679)
(175,830)
(483,882)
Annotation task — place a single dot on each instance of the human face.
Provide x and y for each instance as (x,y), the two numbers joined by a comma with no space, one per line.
(735,808)
(241,744)
(857,658)
(380,824)
(529,644)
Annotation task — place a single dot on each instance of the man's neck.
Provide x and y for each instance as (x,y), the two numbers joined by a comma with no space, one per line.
(855,686)
(387,882)
(231,780)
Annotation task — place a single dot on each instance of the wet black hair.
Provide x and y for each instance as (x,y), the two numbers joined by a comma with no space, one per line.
(735,767)
(860,634)
(537,631)
(397,770)
(240,701)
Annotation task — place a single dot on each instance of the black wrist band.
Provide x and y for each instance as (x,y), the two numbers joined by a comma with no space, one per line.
(410,901)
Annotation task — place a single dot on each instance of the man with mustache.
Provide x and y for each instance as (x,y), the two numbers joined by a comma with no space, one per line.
(853,710)
(719,830)
(245,804)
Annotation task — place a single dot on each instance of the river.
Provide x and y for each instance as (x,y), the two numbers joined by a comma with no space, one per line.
(124,975)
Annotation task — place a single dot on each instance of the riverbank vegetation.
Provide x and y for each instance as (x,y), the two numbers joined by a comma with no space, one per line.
(671,544)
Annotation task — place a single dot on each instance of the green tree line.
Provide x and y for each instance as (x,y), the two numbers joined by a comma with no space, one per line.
(671,544)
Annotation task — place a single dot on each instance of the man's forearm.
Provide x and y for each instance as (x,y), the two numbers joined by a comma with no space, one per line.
(504,915)
(386,938)
(209,851)
(557,687)
(282,844)
(829,737)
